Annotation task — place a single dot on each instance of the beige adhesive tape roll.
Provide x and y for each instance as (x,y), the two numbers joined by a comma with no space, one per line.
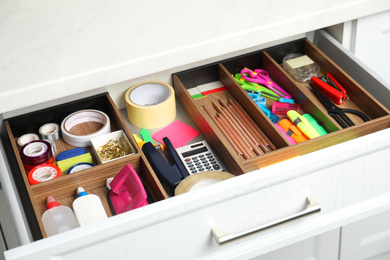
(150,104)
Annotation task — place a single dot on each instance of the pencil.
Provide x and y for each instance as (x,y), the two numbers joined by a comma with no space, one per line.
(244,151)
(254,127)
(233,144)
(229,122)
(246,132)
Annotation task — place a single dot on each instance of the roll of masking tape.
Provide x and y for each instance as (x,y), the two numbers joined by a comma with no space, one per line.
(42,173)
(150,104)
(84,116)
(26,138)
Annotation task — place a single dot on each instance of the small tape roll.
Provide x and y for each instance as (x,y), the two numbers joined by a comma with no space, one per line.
(49,131)
(84,116)
(79,167)
(42,173)
(150,104)
(26,138)
(201,179)
(35,153)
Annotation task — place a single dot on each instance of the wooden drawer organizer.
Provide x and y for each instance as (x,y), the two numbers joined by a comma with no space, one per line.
(93,180)
(271,61)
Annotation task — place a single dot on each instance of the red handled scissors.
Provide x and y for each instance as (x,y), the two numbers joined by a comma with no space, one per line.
(262,77)
(330,88)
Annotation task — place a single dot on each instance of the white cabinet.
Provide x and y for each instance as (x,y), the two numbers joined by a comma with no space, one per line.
(348,180)
(366,239)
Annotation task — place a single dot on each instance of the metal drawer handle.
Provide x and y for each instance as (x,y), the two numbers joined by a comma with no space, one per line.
(222,238)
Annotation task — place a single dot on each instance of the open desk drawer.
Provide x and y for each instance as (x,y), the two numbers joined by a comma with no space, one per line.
(93,180)
(270,60)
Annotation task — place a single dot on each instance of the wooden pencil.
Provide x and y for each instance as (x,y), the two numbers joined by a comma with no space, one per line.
(246,132)
(232,124)
(254,127)
(232,143)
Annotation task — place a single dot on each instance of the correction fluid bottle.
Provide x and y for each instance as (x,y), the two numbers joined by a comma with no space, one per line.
(88,208)
(57,219)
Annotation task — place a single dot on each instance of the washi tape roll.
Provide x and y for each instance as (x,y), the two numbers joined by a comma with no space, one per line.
(150,104)
(49,131)
(84,116)
(26,138)
(42,173)
(79,167)
(36,153)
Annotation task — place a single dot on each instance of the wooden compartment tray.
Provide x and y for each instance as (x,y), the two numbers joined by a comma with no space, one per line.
(93,180)
(271,61)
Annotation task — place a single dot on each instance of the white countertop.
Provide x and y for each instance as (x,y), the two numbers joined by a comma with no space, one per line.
(51,49)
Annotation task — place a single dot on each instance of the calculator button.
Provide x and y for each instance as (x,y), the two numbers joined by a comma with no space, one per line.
(206,164)
(190,165)
(199,166)
(213,162)
(211,159)
(192,168)
(208,154)
(201,169)
(216,167)
(208,167)
(194,171)
(198,163)
(187,160)
(194,158)
(201,156)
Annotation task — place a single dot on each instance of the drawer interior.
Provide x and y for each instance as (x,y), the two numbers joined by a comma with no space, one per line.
(93,180)
(271,61)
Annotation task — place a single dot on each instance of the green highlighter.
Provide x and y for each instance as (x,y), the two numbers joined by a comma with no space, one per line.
(315,124)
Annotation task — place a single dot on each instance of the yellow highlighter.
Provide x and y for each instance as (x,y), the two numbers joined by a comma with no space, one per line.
(303,124)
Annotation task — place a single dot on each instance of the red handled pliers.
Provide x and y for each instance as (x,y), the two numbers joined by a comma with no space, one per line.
(330,88)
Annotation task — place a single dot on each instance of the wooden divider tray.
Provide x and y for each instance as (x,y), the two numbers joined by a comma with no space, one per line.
(93,180)
(271,61)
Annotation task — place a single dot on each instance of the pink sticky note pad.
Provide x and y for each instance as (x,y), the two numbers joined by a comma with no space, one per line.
(178,133)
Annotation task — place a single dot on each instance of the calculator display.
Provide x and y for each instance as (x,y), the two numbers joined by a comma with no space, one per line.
(193,152)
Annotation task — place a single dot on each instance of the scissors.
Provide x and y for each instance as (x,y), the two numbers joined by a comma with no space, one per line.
(262,77)
(338,114)
(251,86)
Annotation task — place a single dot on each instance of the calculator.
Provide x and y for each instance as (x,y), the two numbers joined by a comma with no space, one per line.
(199,157)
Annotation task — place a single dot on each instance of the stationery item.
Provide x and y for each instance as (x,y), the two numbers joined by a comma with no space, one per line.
(79,167)
(171,170)
(178,133)
(111,146)
(339,114)
(36,153)
(195,93)
(58,218)
(252,86)
(64,165)
(80,117)
(49,131)
(262,77)
(303,125)
(126,191)
(88,208)
(199,157)
(300,67)
(26,138)
(282,108)
(285,134)
(70,153)
(321,130)
(264,142)
(330,88)
(145,134)
(150,104)
(201,179)
(42,173)
(211,88)
(292,131)
(274,118)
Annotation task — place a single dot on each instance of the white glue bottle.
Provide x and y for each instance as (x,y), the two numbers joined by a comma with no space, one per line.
(57,219)
(88,208)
